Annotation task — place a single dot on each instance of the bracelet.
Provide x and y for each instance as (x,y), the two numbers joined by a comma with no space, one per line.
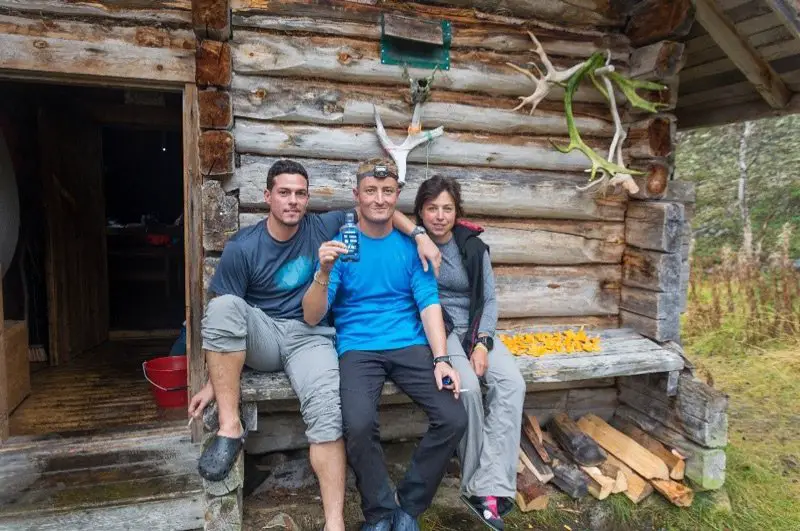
(480,345)
(318,281)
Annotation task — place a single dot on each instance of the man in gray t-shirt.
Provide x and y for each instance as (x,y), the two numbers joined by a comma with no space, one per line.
(256,319)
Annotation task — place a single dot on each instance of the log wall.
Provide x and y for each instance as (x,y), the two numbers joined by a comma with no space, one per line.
(303,79)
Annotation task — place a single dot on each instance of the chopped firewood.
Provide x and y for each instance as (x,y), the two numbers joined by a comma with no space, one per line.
(638,488)
(566,474)
(530,428)
(613,472)
(599,485)
(532,460)
(624,448)
(576,443)
(675,464)
(677,493)
(532,495)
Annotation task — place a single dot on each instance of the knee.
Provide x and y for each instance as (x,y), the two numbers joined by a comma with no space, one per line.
(359,427)
(516,385)
(225,304)
(224,326)
(454,423)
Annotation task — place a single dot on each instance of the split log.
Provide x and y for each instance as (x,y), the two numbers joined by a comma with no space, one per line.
(656,20)
(358,61)
(666,329)
(530,457)
(328,103)
(624,448)
(653,304)
(213,64)
(653,137)
(216,110)
(599,485)
(676,465)
(657,61)
(712,433)
(324,19)
(173,12)
(358,143)
(677,493)
(216,153)
(651,270)
(612,471)
(531,494)
(656,226)
(220,216)
(566,474)
(496,192)
(705,468)
(638,488)
(212,19)
(531,430)
(71,48)
(580,447)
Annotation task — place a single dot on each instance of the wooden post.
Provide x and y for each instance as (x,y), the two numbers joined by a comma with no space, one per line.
(212,19)
(3,375)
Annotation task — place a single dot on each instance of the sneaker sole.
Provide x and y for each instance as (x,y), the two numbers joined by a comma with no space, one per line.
(475,511)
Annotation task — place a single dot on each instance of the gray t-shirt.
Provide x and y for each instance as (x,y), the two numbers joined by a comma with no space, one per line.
(270,274)
(454,290)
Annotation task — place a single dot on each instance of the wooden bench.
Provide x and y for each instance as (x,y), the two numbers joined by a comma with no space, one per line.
(559,381)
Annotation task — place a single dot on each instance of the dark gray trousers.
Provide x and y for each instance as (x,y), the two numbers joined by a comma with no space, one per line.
(362,375)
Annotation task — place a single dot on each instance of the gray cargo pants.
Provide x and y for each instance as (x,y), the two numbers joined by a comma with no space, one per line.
(489,450)
(305,353)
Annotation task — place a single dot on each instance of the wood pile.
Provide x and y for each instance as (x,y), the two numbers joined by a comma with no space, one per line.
(590,457)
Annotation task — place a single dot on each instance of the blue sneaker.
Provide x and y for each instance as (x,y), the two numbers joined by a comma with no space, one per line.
(381,525)
(404,521)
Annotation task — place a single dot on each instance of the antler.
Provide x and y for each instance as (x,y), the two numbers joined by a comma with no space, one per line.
(549,77)
(416,136)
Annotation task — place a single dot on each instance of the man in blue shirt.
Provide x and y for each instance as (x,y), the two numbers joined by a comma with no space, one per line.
(255,319)
(389,324)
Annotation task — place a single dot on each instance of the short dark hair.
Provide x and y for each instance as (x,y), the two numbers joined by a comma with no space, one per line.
(431,188)
(285,166)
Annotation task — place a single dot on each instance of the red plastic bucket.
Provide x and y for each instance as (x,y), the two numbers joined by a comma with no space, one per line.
(168,377)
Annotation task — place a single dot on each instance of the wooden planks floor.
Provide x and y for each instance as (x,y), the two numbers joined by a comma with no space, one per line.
(103,388)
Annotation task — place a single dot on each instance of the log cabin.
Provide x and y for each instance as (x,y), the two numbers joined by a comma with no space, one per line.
(113,110)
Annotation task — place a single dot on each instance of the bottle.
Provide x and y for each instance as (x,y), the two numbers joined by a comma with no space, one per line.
(351,237)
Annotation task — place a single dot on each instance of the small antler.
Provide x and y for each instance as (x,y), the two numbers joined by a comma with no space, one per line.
(415,137)
(546,79)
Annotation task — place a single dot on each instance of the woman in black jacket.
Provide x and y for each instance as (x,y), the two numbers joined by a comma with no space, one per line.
(489,451)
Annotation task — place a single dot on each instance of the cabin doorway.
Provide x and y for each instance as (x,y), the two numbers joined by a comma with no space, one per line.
(98,274)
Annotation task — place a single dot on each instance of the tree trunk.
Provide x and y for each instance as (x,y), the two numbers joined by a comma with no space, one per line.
(744,209)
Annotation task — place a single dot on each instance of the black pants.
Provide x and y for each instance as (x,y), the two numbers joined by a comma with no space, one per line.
(362,377)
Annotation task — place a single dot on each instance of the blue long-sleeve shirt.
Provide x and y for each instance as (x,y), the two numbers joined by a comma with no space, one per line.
(376,302)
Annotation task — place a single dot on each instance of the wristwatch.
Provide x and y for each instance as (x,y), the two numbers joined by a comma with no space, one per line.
(486,341)
(419,229)
(441,359)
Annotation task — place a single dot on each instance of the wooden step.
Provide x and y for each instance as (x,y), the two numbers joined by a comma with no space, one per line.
(145,479)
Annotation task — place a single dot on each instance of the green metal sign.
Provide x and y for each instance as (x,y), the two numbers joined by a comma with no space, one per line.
(415,52)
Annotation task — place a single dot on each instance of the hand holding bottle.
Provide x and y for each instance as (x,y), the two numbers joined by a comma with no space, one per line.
(329,252)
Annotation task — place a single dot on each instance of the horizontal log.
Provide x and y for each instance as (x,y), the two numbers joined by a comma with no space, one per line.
(656,20)
(324,20)
(158,56)
(558,11)
(657,61)
(666,329)
(557,291)
(712,433)
(216,153)
(694,398)
(357,61)
(657,226)
(328,103)
(216,109)
(590,322)
(220,216)
(654,184)
(676,464)
(705,468)
(360,143)
(173,12)
(214,67)
(212,19)
(682,192)
(503,193)
(651,270)
(653,137)
(653,304)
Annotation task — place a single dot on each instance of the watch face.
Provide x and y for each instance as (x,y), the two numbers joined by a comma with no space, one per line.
(487,341)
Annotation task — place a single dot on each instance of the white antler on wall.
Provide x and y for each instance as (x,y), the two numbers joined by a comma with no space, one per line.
(416,136)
